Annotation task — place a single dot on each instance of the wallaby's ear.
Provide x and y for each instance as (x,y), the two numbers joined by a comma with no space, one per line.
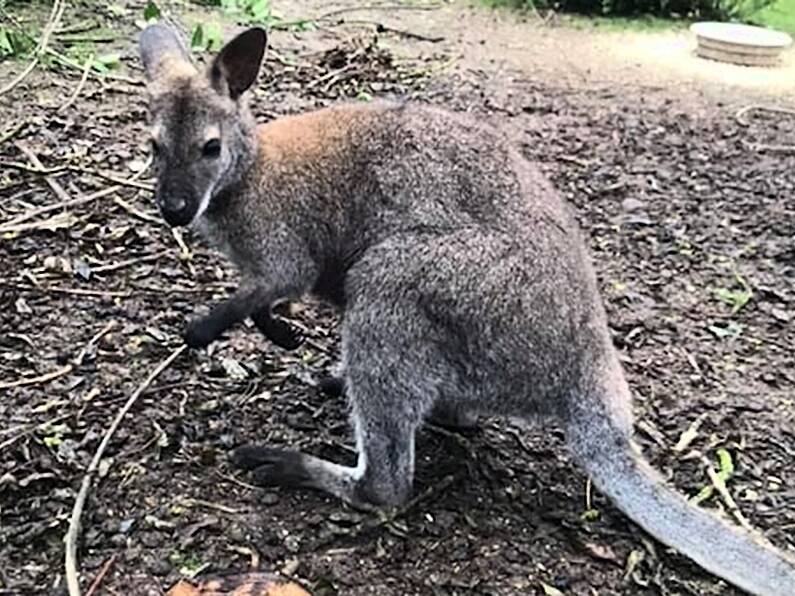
(161,50)
(236,66)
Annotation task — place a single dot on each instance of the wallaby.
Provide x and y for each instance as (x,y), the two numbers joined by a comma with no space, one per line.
(462,276)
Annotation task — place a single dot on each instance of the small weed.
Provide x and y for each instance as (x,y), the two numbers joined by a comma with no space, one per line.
(151,12)
(725,471)
(189,564)
(206,38)
(251,11)
(736,298)
(590,515)
(15,43)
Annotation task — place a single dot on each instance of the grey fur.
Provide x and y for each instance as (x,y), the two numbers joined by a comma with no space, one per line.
(466,289)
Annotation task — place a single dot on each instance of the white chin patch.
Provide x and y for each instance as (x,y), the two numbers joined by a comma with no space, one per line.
(205,202)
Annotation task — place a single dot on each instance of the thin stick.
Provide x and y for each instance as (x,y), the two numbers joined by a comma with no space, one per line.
(70,560)
(340,11)
(101,76)
(51,182)
(64,370)
(101,575)
(135,212)
(741,113)
(46,377)
(42,171)
(72,291)
(56,13)
(71,203)
(26,432)
(723,491)
(12,132)
(774,148)
(80,85)
(129,262)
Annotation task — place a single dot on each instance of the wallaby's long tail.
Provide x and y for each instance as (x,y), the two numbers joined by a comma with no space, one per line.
(729,552)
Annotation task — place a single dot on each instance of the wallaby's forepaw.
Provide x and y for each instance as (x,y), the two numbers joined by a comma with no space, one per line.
(200,333)
(272,466)
(280,332)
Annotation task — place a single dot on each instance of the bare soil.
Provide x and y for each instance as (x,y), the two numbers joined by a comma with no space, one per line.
(683,202)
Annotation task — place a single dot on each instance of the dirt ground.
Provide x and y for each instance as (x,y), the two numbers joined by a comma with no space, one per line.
(690,212)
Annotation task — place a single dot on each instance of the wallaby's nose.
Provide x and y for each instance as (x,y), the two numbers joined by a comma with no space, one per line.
(176,212)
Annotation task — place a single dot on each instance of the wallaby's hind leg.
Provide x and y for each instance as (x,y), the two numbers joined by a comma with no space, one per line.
(383,474)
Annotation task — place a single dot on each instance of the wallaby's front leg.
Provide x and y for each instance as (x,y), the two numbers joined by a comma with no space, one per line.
(268,280)
(204,330)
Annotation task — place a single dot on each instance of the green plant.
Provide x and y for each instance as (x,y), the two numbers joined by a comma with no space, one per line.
(741,10)
(15,43)
(206,38)
(151,12)
(724,473)
(251,11)
(738,298)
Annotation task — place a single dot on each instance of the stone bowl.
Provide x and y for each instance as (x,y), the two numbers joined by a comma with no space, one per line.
(740,44)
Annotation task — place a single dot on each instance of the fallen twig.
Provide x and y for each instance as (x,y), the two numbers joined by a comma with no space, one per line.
(64,370)
(101,76)
(80,85)
(340,11)
(24,433)
(42,171)
(135,212)
(70,540)
(46,377)
(58,7)
(54,185)
(72,291)
(723,491)
(741,113)
(101,575)
(9,225)
(762,148)
(129,262)
(381,28)
(12,132)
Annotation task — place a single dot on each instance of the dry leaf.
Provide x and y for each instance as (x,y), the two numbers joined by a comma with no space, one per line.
(245,584)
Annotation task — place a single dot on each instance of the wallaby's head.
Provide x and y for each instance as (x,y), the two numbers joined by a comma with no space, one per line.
(201,130)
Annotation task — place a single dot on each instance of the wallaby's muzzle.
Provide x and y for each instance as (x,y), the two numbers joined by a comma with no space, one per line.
(177,208)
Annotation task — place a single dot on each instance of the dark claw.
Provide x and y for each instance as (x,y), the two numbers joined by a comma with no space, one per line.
(272,466)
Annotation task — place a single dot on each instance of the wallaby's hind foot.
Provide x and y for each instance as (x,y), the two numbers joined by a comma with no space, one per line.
(288,468)
(385,468)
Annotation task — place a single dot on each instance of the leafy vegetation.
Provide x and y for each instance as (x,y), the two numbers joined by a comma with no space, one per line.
(15,43)
(736,298)
(779,15)
(739,10)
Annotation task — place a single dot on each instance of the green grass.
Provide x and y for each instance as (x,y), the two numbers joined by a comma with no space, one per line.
(643,23)
(780,15)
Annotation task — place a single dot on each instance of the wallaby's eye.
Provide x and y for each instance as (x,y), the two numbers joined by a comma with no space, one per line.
(212,148)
